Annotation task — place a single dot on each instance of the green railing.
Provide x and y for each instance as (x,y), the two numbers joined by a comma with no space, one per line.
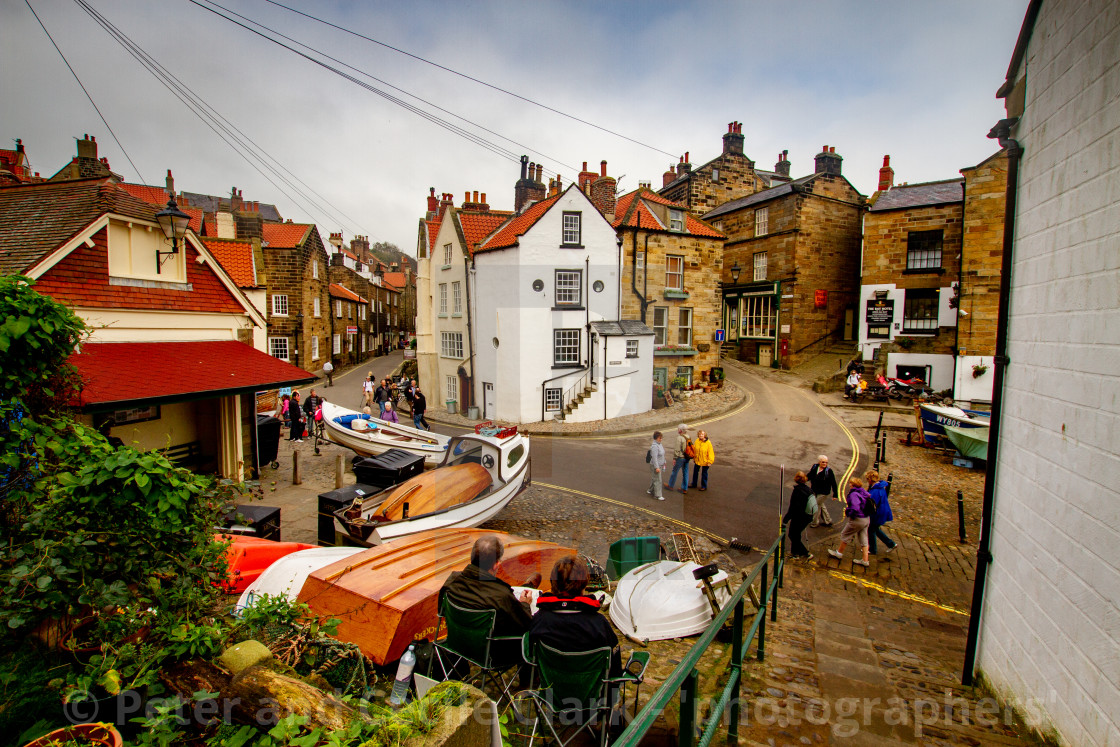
(685,678)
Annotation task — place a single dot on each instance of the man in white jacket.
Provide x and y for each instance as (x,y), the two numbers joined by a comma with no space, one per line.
(656,459)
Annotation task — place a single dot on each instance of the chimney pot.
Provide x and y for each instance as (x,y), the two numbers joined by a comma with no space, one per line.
(585,165)
(686,157)
(832,149)
(602,168)
(484,198)
(475,193)
(466,198)
(886,160)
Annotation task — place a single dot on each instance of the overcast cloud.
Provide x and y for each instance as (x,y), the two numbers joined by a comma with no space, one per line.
(915,80)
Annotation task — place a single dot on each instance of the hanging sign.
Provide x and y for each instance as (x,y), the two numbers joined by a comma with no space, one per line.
(880,311)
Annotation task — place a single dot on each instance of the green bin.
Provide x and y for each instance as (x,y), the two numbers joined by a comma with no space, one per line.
(630,552)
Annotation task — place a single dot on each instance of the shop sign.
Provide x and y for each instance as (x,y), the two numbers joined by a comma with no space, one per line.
(880,311)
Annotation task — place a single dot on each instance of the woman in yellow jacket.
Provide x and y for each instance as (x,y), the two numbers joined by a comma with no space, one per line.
(705,457)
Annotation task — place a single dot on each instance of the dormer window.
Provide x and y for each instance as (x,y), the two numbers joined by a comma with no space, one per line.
(676,220)
(571,230)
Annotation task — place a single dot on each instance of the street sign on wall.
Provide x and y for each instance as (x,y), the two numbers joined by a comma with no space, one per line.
(720,335)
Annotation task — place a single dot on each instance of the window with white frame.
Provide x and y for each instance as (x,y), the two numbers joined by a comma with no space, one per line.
(919,310)
(315,269)
(631,348)
(685,372)
(336,344)
(676,220)
(660,324)
(314,347)
(762,221)
(451,344)
(443,298)
(456,297)
(552,400)
(758,317)
(279,305)
(565,346)
(349,311)
(447,255)
(452,385)
(684,328)
(571,232)
(337,309)
(640,261)
(362,312)
(715,175)
(674,272)
(923,250)
(315,306)
(759,266)
(278,348)
(569,290)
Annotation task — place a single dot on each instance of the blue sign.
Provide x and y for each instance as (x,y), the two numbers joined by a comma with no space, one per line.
(720,334)
(284,390)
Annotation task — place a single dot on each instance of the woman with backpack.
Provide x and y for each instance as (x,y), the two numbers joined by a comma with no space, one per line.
(802,506)
(859,511)
(878,490)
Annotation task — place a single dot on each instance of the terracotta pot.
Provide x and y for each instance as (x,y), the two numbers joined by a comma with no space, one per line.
(103,735)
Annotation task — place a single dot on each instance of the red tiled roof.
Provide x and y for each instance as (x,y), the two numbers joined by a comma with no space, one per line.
(159,196)
(284,235)
(153,372)
(508,234)
(478,225)
(339,291)
(633,212)
(433,231)
(395,280)
(209,227)
(236,258)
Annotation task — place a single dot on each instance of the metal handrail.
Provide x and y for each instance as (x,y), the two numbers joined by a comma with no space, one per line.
(565,396)
(685,678)
(570,393)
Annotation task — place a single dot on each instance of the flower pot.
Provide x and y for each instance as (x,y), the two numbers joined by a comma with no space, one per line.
(707,389)
(102,735)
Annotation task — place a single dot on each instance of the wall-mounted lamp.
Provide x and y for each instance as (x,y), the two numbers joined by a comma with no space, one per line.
(735,270)
(174,222)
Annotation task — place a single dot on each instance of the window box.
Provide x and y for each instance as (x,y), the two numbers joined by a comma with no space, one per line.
(676,295)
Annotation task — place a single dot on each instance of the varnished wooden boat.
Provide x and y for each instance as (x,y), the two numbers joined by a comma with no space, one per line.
(386,597)
(376,436)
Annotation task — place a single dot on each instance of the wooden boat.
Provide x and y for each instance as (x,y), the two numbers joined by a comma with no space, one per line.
(662,600)
(480,475)
(386,597)
(936,417)
(370,436)
(248,557)
(285,577)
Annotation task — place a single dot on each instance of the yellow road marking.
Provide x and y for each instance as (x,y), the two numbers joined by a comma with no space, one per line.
(894,593)
(642,509)
(951,546)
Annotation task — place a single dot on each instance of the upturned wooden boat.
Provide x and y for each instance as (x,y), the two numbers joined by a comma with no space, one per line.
(370,436)
(480,475)
(248,557)
(386,597)
(662,600)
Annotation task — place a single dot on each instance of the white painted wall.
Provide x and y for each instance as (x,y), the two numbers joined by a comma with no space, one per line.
(626,389)
(941,367)
(974,389)
(439,366)
(1050,631)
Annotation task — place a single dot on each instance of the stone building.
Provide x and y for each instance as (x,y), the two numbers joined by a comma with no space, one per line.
(670,281)
(727,177)
(791,266)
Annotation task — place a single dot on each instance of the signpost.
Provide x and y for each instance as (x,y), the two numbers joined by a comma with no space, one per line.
(720,335)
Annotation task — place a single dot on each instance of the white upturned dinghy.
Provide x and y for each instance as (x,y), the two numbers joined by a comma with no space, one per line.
(662,600)
(286,576)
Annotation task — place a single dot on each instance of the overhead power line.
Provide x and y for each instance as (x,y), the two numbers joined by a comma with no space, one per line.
(472,79)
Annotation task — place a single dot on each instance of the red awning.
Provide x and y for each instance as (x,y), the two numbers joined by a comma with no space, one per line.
(149,373)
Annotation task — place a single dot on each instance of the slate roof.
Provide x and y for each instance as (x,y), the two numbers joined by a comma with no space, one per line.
(903,196)
(213,204)
(36,219)
(514,228)
(284,235)
(758,197)
(621,328)
(478,225)
(634,213)
(236,258)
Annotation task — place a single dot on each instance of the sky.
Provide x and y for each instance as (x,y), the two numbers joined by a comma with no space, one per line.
(915,80)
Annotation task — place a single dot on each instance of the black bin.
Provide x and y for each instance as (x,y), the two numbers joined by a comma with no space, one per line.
(263,521)
(333,501)
(268,439)
(388,469)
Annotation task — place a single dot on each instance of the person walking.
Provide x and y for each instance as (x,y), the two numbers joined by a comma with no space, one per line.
(681,455)
(419,407)
(879,489)
(390,415)
(859,518)
(655,457)
(296,415)
(823,482)
(328,369)
(367,389)
(381,395)
(705,457)
(798,516)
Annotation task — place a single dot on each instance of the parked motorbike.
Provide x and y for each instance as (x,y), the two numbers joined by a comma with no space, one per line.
(906,388)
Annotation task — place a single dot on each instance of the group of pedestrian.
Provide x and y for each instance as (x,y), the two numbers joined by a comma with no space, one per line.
(700,452)
(296,416)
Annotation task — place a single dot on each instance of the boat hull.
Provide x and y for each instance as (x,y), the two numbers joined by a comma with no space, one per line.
(386,597)
(382,436)
(971,442)
(663,600)
(248,557)
(936,417)
(286,576)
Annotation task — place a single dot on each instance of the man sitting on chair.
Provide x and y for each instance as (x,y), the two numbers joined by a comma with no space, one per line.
(477,588)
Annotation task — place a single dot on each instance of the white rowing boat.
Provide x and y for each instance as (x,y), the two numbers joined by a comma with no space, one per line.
(285,577)
(370,436)
(662,600)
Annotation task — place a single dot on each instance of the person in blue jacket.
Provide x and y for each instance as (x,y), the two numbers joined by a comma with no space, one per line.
(878,490)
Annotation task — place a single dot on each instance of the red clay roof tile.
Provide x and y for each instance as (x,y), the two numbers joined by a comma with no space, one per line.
(509,233)
(339,291)
(236,258)
(284,235)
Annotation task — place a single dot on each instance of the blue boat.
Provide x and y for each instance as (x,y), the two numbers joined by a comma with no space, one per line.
(936,417)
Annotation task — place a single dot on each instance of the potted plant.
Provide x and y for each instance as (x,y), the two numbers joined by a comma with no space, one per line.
(77,735)
(979,370)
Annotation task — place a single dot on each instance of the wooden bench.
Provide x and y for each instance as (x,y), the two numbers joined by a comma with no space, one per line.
(185,455)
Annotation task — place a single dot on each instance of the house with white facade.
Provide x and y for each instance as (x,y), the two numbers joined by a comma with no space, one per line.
(544,293)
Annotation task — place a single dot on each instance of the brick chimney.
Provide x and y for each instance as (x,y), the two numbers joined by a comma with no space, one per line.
(169,183)
(733,140)
(886,175)
(446,201)
(335,240)
(87,147)
(359,247)
(585,178)
(684,167)
(827,162)
(433,204)
(669,176)
(604,193)
(529,187)
(783,164)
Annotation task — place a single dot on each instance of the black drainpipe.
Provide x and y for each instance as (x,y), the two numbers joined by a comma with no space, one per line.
(1002,132)
(470,335)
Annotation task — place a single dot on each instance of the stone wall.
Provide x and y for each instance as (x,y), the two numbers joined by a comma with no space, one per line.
(985,199)
(288,272)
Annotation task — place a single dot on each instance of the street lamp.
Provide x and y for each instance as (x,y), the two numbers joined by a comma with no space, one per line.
(173,222)
(735,270)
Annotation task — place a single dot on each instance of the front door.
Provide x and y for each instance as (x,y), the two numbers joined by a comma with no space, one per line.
(849,324)
(661,377)
(488,403)
(765,355)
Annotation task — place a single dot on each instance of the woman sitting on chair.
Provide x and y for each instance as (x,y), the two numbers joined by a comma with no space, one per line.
(567,620)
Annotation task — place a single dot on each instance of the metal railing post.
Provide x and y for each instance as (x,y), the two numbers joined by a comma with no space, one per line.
(736,671)
(777,582)
(687,725)
(764,599)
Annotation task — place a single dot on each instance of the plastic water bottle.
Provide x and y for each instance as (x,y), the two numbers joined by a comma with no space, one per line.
(404,676)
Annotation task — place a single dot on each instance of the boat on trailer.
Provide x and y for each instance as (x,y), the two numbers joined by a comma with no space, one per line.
(370,436)
(481,473)
(386,597)
(665,599)
(936,417)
